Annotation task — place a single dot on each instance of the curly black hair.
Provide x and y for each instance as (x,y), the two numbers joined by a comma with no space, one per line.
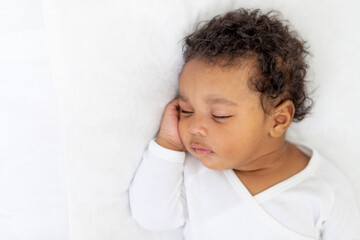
(279,54)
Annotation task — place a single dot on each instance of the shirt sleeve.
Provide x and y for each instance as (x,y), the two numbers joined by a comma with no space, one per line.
(344,219)
(156,192)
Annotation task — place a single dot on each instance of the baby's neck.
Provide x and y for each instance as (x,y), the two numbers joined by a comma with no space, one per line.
(280,164)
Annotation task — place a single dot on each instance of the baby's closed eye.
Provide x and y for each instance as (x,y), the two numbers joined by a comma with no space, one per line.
(185,112)
(218,117)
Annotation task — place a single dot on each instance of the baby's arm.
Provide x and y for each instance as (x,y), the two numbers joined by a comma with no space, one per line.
(156,199)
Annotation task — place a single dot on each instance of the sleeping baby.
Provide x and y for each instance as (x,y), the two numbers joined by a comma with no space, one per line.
(220,166)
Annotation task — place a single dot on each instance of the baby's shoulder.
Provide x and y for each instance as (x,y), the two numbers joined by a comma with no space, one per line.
(321,180)
(332,176)
(324,181)
(322,171)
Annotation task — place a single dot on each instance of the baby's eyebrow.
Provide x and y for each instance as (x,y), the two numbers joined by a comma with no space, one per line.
(220,101)
(213,100)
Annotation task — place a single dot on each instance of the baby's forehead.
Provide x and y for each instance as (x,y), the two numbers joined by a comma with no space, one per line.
(222,70)
(211,82)
(227,62)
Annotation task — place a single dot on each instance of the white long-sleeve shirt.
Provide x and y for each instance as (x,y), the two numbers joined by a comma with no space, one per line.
(172,189)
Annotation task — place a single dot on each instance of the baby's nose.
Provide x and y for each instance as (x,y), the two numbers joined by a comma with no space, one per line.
(197,128)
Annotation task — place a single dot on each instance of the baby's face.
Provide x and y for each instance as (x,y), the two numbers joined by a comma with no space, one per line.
(222,122)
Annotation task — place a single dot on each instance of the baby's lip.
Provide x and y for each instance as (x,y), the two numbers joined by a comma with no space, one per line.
(200,148)
(195,145)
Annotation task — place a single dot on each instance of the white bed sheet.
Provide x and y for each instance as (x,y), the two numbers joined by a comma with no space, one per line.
(33,194)
(115,66)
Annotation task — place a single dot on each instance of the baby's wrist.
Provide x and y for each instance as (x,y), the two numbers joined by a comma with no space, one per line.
(167,144)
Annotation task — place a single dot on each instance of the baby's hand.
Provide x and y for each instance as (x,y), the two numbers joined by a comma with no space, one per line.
(169,131)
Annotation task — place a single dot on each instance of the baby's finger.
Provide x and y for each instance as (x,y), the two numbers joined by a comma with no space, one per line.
(174,103)
(173,106)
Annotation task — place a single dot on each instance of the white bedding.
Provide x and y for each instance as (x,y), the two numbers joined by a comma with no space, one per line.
(114,66)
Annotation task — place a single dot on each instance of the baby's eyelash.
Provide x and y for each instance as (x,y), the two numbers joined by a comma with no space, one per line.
(221,117)
(182,111)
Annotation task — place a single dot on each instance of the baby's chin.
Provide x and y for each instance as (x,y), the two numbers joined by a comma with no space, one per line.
(209,161)
(214,165)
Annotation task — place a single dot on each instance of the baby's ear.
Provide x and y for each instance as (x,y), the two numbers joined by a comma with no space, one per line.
(282,118)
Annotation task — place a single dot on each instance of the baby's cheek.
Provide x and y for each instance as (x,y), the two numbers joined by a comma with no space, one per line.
(226,145)
(182,131)
(222,145)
